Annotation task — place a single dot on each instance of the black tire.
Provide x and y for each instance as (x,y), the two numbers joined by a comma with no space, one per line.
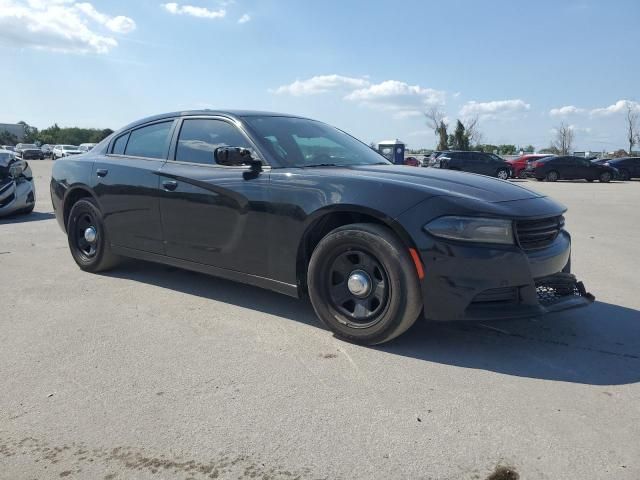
(502,174)
(625,175)
(394,300)
(605,177)
(590,180)
(540,179)
(552,176)
(522,175)
(90,257)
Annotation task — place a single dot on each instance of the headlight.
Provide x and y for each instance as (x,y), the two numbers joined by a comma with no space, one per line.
(471,229)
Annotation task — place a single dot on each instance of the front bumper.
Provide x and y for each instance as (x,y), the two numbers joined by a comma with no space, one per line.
(16,196)
(469,282)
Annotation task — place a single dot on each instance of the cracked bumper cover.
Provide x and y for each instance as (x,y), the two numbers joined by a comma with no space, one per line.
(468,282)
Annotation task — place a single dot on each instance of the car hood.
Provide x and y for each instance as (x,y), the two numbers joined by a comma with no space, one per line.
(436,182)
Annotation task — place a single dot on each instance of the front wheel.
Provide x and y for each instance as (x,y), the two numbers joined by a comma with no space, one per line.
(502,174)
(605,177)
(363,284)
(87,237)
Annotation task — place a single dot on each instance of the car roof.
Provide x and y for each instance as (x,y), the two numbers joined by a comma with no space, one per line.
(234,114)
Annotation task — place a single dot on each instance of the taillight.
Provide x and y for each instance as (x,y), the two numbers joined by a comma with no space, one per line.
(537,164)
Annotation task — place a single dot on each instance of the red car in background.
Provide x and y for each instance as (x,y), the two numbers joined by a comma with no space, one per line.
(520,164)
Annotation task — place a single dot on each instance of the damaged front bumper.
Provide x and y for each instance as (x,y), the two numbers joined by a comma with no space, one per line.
(16,196)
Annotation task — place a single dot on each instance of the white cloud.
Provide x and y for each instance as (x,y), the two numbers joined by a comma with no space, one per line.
(564,111)
(244,18)
(494,109)
(392,95)
(321,84)
(200,12)
(618,107)
(59,25)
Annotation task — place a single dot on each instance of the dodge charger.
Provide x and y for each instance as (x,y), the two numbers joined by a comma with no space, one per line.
(302,208)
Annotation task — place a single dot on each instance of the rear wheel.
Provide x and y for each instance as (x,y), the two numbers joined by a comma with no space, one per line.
(87,237)
(625,175)
(502,174)
(605,177)
(522,174)
(552,176)
(363,284)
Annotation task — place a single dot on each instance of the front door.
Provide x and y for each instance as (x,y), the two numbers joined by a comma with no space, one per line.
(213,214)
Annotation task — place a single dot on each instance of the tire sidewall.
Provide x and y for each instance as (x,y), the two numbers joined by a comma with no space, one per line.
(605,177)
(86,205)
(403,290)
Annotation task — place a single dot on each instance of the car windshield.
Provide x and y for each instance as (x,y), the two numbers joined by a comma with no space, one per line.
(298,142)
(28,145)
(69,147)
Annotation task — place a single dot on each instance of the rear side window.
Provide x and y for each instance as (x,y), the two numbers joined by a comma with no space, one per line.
(119,144)
(199,138)
(151,141)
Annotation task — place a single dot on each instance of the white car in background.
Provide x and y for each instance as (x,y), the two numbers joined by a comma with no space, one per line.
(85,147)
(60,151)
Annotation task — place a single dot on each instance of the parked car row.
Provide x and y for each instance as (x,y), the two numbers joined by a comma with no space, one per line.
(30,151)
(543,167)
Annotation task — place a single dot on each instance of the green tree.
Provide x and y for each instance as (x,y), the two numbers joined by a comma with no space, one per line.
(7,138)
(550,150)
(487,148)
(506,150)
(442,136)
(529,149)
(459,139)
(30,133)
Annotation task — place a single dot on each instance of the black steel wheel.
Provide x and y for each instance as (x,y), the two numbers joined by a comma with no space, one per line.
(87,237)
(363,284)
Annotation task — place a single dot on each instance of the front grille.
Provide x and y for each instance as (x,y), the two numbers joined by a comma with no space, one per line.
(540,233)
(6,201)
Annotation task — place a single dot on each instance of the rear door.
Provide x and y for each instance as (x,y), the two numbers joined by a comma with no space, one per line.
(214,214)
(126,184)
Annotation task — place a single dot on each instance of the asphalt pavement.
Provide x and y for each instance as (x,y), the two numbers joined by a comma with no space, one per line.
(151,372)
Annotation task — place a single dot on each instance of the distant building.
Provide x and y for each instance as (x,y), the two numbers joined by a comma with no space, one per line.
(14,128)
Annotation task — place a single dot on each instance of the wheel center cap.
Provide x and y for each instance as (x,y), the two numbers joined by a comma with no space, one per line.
(359,283)
(90,234)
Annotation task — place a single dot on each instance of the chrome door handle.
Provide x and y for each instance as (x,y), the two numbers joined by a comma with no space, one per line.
(102,172)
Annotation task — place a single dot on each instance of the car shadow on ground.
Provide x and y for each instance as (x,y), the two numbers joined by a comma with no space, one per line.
(598,345)
(25,218)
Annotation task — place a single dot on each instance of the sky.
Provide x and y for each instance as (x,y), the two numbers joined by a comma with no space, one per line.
(371,67)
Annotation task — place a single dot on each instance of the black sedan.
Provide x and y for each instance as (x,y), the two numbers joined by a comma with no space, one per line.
(302,208)
(28,151)
(627,167)
(569,167)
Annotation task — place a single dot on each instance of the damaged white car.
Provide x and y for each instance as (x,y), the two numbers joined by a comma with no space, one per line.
(17,190)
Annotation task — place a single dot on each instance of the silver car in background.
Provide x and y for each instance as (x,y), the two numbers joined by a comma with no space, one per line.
(17,190)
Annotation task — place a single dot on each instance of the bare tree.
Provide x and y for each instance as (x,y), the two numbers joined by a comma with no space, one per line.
(633,132)
(563,141)
(472,127)
(434,117)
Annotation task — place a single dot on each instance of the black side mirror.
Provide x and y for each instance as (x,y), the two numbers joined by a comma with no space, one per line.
(236,157)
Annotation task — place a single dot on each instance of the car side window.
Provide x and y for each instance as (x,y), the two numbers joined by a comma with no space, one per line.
(151,141)
(199,138)
(119,144)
